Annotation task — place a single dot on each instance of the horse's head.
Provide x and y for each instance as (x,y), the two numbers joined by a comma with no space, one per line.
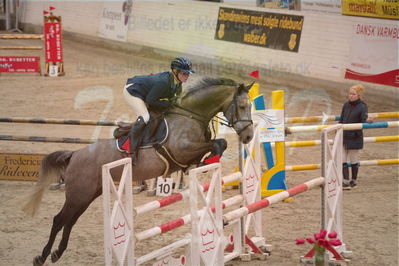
(209,96)
(238,112)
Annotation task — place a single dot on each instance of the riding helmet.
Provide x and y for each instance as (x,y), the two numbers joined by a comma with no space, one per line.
(182,64)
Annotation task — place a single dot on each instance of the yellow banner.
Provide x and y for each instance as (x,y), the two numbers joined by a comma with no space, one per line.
(388,9)
(20,167)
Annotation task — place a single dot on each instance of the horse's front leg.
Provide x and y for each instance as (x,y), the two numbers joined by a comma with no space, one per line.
(219,146)
(196,150)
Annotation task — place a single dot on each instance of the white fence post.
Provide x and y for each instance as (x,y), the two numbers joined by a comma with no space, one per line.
(118,219)
(251,182)
(331,165)
(251,189)
(207,244)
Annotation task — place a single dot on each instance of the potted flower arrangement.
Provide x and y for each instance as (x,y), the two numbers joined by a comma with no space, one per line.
(320,245)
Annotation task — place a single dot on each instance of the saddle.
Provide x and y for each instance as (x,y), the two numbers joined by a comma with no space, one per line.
(155,132)
(154,135)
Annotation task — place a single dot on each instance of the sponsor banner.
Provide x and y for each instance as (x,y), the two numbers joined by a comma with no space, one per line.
(374,53)
(19,64)
(388,9)
(271,124)
(283,4)
(269,30)
(19,166)
(114,22)
(53,41)
(324,6)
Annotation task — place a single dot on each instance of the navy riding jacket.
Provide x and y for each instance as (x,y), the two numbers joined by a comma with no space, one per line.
(155,90)
(354,112)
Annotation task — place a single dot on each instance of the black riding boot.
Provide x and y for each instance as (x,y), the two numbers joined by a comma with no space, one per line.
(355,170)
(345,175)
(135,138)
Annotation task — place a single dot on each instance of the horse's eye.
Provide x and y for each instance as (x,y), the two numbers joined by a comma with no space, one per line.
(244,103)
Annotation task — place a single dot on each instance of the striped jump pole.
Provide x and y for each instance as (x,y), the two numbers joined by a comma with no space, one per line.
(305,167)
(354,126)
(21,48)
(156,204)
(307,143)
(47,139)
(21,36)
(314,119)
(166,227)
(258,205)
(114,123)
(379,162)
(58,121)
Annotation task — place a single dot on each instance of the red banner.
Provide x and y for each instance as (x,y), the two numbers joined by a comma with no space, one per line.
(390,78)
(19,64)
(53,41)
(374,54)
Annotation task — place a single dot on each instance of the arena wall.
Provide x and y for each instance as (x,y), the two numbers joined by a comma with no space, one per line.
(188,28)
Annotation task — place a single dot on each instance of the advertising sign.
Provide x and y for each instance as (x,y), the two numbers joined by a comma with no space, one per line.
(374,55)
(53,41)
(114,21)
(19,64)
(271,124)
(269,30)
(324,6)
(388,9)
(19,166)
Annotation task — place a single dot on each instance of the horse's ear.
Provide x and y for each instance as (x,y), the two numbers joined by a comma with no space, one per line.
(247,88)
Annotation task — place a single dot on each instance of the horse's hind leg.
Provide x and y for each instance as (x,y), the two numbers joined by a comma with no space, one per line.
(58,223)
(66,218)
(56,254)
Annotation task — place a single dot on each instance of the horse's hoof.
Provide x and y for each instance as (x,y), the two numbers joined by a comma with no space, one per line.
(54,256)
(138,189)
(60,186)
(151,193)
(37,261)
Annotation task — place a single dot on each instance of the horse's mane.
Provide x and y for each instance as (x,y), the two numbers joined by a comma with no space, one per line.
(207,82)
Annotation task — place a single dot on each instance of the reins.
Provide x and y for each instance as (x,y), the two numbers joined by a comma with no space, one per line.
(201,118)
(221,120)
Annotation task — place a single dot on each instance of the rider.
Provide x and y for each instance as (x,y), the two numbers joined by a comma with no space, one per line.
(157,92)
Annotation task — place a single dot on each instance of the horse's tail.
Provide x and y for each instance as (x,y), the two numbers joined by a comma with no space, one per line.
(52,167)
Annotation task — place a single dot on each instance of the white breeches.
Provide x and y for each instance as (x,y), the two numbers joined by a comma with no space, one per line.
(137,104)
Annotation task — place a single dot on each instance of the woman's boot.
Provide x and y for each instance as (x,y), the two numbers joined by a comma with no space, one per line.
(345,174)
(355,170)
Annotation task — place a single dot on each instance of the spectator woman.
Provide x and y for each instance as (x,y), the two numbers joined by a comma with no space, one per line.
(353,111)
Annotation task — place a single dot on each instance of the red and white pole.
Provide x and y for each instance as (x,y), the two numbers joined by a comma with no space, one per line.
(261,204)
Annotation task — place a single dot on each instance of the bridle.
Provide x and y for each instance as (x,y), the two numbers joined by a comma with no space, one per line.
(232,112)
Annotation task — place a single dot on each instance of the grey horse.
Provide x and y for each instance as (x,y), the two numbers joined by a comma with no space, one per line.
(187,143)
